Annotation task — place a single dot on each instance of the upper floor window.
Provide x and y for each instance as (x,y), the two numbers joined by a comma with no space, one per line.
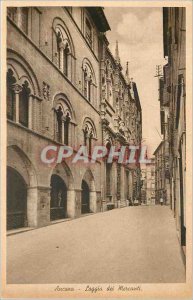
(12,13)
(89,82)
(89,132)
(64,120)
(20,16)
(88,32)
(18,98)
(63,50)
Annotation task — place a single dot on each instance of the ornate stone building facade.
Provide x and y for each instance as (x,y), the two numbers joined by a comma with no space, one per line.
(65,88)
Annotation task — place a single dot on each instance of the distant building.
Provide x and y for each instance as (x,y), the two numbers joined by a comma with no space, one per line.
(148,183)
(161,187)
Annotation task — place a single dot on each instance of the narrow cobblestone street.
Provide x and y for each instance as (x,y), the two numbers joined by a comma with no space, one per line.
(132,244)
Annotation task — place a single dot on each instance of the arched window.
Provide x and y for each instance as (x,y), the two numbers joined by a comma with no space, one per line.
(89,133)
(63,49)
(89,82)
(23,93)
(18,100)
(64,120)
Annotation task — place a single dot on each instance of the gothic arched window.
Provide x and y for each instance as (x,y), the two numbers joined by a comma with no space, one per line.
(63,51)
(89,85)
(63,124)
(89,133)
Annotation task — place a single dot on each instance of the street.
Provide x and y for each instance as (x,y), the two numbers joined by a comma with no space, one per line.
(127,245)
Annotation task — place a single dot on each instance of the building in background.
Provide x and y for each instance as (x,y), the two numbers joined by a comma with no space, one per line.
(64,87)
(170,156)
(160,174)
(148,183)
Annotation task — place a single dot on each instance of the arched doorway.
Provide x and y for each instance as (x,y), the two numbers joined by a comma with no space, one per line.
(58,204)
(85,198)
(16,200)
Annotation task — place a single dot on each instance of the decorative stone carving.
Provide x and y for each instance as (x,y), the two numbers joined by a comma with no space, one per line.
(46,91)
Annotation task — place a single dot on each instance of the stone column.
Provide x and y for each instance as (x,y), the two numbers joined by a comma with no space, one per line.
(32,206)
(17,89)
(43,208)
(71,204)
(30,110)
(62,140)
(93,201)
(78,194)
(69,66)
(61,58)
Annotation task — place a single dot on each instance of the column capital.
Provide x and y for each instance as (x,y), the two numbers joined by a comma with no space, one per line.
(17,88)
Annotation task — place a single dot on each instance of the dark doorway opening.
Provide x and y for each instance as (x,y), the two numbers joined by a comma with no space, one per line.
(85,198)
(16,200)
(58,204)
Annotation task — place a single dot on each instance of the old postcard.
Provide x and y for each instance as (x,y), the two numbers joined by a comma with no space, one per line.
(96,179)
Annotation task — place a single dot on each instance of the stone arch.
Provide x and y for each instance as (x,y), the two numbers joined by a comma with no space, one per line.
(19,163)
(88,193)
(64,173)
(63,49)
(22,164)
(89,83)
(22,71)
(62,99)
(59,22)
(87,62)
(64,119)
(91,126)
(89,178)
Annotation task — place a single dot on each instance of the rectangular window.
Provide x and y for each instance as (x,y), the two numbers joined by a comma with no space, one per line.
(24,19)
(20,16)
(88,32)
(12,13)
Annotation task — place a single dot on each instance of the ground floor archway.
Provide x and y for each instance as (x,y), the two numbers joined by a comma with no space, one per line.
(58,203)
(85,198)
(16,200)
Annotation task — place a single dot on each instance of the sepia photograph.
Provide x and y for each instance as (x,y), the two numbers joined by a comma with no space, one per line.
(96,149)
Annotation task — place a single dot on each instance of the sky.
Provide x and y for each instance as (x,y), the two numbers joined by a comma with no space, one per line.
(140,37)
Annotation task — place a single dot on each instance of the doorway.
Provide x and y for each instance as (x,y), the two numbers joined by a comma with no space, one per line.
(16,200)
(85,198)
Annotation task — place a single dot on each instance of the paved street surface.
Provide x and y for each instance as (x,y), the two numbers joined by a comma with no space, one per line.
(127,245)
